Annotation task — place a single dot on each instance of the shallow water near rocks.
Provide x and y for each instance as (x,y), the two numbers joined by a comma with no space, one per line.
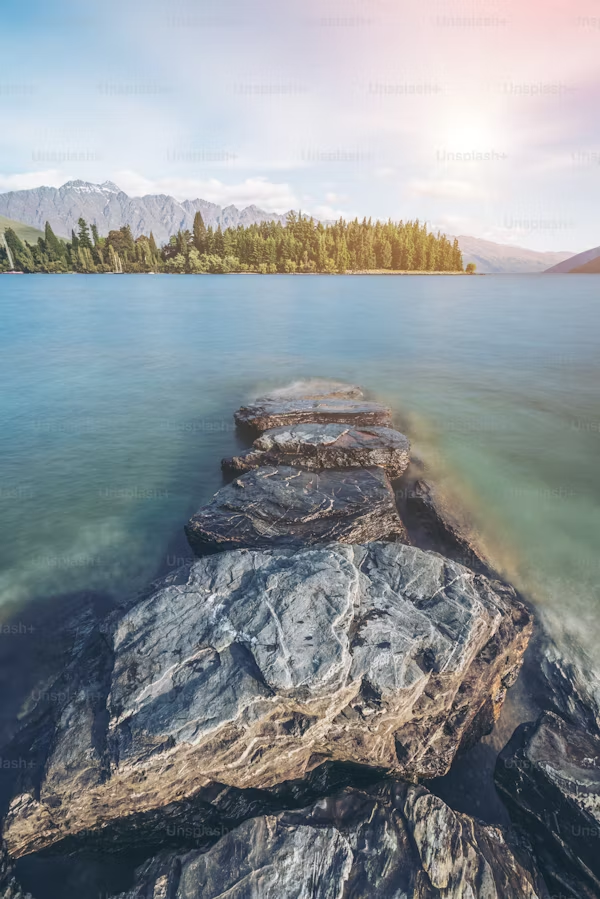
(118,399)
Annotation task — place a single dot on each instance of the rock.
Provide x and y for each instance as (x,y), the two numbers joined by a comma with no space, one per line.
(569,686)
(396,841)
(284,506)
(249,669)
(9,887)
(433,525)
(278,413)
(312,389)
(549,778)
(314,447)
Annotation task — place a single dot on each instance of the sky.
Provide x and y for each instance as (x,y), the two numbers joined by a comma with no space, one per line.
(477,116)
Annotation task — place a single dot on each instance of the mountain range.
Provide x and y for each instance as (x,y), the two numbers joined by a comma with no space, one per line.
(108,207)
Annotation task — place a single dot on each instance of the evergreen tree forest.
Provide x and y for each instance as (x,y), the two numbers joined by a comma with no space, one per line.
(302,245)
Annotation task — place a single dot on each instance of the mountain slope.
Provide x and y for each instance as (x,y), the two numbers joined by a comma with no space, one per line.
(575,263)
(108,207)
(25,232)
(497,258)
(590,268)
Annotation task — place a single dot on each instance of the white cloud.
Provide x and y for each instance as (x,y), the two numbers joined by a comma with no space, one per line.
(447,190)
(28,180)
(326,213)
(271,196)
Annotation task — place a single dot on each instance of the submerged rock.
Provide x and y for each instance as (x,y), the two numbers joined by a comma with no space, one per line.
(314,388)
(568,684)
(395,841)
(433,525)
(549,777)
(285,506)
(9,887)
(314,447)
(250,668)
(276,413)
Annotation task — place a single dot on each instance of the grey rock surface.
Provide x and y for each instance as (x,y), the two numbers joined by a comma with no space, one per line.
(396,841)
(549,777)
(315,447)
(285,506)
(248,669)
(277,413)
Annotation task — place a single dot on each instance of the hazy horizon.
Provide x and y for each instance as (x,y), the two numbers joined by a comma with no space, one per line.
(473,116)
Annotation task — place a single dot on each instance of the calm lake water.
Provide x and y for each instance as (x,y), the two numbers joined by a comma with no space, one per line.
(118,394)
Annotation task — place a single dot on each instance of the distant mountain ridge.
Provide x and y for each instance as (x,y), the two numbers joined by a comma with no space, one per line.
(497,258)
(108,207)
(581,263)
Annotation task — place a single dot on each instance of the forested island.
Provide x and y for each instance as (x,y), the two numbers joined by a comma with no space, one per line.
(302,246)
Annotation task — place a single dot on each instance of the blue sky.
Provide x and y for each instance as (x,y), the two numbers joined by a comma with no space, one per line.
(479,116)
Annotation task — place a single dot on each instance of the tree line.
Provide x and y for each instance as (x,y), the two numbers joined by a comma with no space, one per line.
(301,245)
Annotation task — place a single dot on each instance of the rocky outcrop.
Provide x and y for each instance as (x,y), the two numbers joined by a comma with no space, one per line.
(549,777)
(252,668)
(239,717)
(278,413)
(284,506)
(315,447)
(394,841)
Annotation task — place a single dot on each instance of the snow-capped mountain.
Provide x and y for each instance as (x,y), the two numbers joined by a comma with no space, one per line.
(108,207)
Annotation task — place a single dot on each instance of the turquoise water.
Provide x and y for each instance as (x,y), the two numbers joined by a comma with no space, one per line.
(118,394)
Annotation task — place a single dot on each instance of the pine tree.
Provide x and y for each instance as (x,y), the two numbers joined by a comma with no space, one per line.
(199,233)
(84,235)
(55,248)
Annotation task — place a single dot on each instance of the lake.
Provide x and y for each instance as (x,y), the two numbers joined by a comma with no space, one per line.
(118,395)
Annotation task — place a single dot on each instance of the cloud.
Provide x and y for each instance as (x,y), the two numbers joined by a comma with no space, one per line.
(28,180)
(447,190)
(269,195)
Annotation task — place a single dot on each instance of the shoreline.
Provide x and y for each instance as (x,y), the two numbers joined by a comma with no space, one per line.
(263,274)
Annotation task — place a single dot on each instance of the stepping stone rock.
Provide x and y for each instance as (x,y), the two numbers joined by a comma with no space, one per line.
(549,778)
(314,447)
(284,506)
(277,413)
(250,669)
(396,841)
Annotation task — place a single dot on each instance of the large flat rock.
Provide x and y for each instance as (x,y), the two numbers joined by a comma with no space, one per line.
(395,841)
(549,777)
(285,506)
(276,413)
(315,447)
(249,669)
